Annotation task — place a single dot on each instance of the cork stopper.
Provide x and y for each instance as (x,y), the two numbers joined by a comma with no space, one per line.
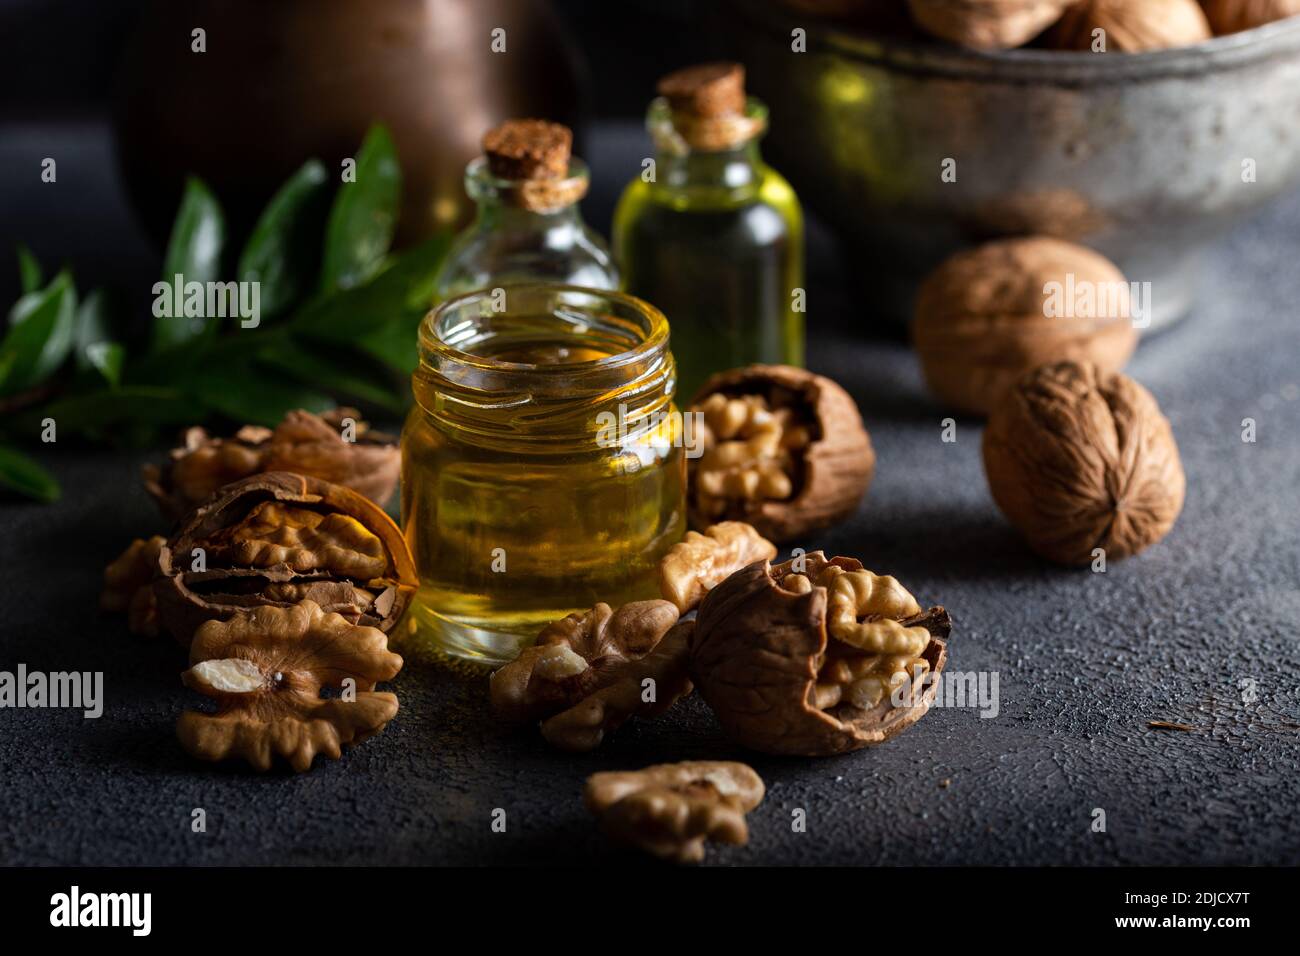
(528,149)
(708,109)
(706,90)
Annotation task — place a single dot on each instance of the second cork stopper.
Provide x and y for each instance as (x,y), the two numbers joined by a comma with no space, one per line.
(706,90)
(528,149)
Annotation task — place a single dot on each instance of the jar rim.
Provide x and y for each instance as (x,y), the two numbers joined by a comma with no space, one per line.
(654,338)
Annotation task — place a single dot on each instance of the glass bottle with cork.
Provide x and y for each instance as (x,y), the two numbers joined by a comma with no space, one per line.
(528,228)
(710,233)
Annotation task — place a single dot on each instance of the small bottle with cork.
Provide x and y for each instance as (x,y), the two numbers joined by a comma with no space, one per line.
(710,233)
(527,185)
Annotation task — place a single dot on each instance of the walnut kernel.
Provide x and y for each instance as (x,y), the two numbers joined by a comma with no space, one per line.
(700,562)
(266,669)
(1233,16)
(670,810)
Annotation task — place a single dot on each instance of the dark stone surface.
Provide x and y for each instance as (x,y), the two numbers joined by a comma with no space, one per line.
(1084,660)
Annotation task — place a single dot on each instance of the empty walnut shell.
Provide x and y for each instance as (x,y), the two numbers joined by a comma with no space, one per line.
(1078,459)
(761,651)
(986,24)
(276,539)
(805,467)
(984,317)
(1130,27)
(303,443)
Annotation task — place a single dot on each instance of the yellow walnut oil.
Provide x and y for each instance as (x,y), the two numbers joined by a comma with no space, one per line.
(542,467)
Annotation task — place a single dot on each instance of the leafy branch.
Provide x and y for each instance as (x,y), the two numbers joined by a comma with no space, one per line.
(337,317)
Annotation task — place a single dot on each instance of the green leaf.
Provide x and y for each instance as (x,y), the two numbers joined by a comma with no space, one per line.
(132,405)
(23,475)
(94,326)
(395,344)
(404,288)
(41,329)
(364,215)
(281,254)
(344,375)
(29,270)
(107,358)
(245,394)
(193,253)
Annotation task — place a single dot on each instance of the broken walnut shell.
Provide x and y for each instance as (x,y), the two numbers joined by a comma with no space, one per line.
(304,443)
(700,562)
(986,24)
(276,539)
(1079,458)
(784,450)
(266,669)
(982,317)
(670,810)
(576,656)
(765,657)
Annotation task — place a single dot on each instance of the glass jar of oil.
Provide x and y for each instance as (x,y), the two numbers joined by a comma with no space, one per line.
(710,233)
(542,465)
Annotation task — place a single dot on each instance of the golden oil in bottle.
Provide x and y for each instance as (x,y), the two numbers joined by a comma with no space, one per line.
(542,465)
(714,237)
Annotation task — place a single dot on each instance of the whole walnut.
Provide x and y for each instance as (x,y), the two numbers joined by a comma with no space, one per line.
(1233,16)
(1130,27)
(986,24)
(989,314)
(1079,458)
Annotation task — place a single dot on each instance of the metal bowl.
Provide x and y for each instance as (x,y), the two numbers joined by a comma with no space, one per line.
(1146,157)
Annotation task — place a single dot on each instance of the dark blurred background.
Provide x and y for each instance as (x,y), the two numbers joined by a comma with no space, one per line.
(59,55)
(113,91)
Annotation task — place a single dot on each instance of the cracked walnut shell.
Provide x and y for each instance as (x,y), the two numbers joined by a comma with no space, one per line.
(279,538)
(815,656)
(266,669)
(986,24)
(303,443)
(1079,458)
(700,562)
(1130,27)
(670,810)
(983,317)
(783,449)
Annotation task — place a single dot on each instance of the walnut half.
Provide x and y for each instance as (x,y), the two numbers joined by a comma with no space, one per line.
(266,669)
(671,809)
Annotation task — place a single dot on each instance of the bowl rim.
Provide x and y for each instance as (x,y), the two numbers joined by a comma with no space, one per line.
(1059,67)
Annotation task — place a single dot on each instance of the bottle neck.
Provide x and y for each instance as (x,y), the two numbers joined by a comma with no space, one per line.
(737,168)
(496,212)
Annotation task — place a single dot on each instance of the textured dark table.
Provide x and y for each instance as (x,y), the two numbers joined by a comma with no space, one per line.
(1084,660)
